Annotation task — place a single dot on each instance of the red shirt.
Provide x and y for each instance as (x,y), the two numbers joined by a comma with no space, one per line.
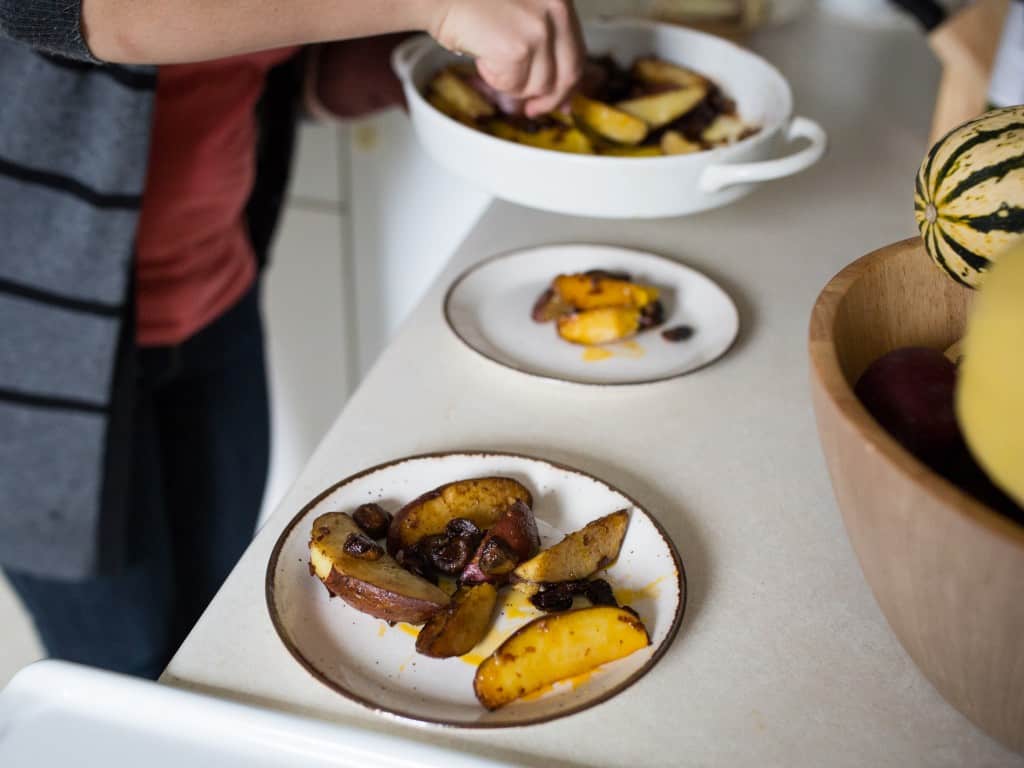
(193,256)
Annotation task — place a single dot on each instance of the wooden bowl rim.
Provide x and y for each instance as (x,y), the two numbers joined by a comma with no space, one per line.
(825,367)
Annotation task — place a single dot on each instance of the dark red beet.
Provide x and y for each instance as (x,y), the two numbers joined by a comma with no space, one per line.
(910,392)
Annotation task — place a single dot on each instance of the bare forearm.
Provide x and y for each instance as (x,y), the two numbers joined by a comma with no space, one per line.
(163,32)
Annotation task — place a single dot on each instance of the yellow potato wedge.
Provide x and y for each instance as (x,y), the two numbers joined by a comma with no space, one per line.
(457,629)
(599,326)
(607,121)
(483,500)
(579,555)
(585,291)
(556,138)
(379,587)
(461,96)
(658,72)
(556,647)
(725,129)
(662,108)
(674,143)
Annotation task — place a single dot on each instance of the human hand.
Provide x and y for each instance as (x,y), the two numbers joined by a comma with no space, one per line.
(528,49)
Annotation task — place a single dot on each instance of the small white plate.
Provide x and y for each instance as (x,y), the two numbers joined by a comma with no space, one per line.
(376,665)
(488,307)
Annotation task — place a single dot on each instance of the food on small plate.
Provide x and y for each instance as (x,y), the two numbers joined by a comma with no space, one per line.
(483,501)
(474,537)
(651,109)
(458,629)
(678,333)
(597,289)
(510,541)
(556,647)
(579,555)
(598,307)
(368,579)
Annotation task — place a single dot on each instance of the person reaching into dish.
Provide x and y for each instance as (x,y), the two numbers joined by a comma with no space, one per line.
(143,151)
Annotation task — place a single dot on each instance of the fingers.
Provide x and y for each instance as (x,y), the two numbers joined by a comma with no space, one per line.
(567,49)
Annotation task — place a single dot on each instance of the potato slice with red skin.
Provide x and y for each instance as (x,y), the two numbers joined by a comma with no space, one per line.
(557,647)
(517,530)
(379,587)
(579,555)
(482,500)
(458,629)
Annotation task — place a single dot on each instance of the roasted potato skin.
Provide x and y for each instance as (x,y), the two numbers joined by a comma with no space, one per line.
(481,500)
(590,291)
(379,587)
(578,556)
(458,629)
(556,647)
(517,530)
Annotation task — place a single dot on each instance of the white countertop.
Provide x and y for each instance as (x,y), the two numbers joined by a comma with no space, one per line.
(783,657)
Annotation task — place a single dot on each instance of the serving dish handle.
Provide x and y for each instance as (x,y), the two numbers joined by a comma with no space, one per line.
(717,177)
(405,56)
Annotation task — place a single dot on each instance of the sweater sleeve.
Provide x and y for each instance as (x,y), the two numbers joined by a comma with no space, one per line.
(53,26)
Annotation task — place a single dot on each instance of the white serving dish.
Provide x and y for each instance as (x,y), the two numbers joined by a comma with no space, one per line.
(59,715)
(626,187)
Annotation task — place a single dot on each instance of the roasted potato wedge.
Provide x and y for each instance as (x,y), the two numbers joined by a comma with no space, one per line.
(657,72)
(725,129)
(557,138)
(594,291)
(460,96)
(599,326)
(662,108)
(482,500)
(556,647)
(609,122)
(674,143)
(578,556)
(458,628)
(510,541)
(379,586)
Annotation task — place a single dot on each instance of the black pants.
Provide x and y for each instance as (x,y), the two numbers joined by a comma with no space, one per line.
(201,454)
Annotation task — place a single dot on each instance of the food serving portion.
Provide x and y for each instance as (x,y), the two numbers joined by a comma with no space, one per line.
(500,593)
(649,109)
(591,314)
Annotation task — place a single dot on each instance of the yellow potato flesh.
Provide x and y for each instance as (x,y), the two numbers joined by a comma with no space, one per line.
(662,108)
(608,121)
(587,292)
(556,647)
(599,326)
(577,556)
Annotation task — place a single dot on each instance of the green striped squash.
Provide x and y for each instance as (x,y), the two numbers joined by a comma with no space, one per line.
(969,197)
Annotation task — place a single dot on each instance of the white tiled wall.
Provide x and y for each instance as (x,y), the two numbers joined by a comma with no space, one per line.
(306,312)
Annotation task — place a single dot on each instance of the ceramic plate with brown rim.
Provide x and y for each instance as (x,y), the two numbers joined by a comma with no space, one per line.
(489,308)
(377,665)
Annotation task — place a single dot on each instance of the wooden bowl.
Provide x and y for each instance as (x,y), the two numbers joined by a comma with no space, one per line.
(947,571)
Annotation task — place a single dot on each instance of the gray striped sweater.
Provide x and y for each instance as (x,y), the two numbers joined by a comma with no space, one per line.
(74,139)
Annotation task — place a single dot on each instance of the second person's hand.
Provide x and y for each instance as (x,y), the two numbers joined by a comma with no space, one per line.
(529,49)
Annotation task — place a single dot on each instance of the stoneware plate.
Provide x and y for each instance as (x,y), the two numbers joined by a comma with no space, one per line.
(377,666)
(488,307)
